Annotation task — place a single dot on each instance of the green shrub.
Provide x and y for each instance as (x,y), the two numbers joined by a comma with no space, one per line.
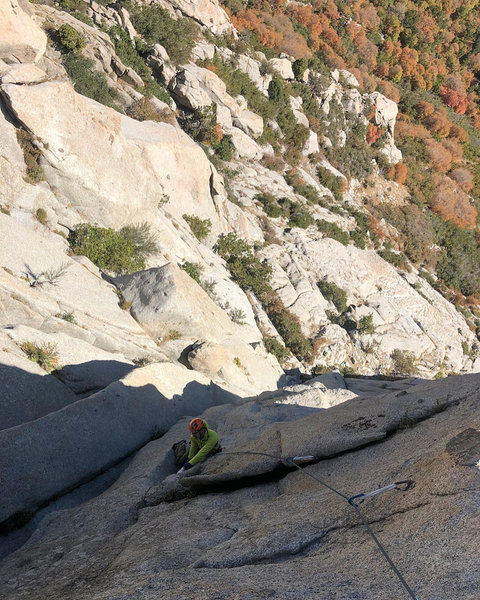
(156,26)
(45,355)
(334,293)
(192,269)
(67,316)
(307,191)
(128,53)
(297,215)
(224,148)
(270,205)
(237,315)
(403,362)
(299,67)
(106,248)
(276,91)
(87,81)
(142,239)
(31,155)
(398,260)
(245,268)
(358,238)
(277,349)
(70,39)
(365,325)
(331,182)
(332,230)
(200,227)
(41,215)
(354,159)
(287,325)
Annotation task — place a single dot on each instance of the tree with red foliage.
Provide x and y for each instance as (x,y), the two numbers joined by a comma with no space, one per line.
(452,204)
(398,172)
(463,178)
(373,133)
(389,90)
(454,99)
(440,157)
(458,133)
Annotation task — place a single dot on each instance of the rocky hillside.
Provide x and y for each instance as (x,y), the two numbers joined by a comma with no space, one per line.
(191,223)
(234,188)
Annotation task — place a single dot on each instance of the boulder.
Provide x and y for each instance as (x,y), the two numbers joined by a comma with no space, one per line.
(311,145)
(209,13)
(283,67)
(126,73)
(207,357)
(195,87)
(296,106)
(167,299)
(203,50)
(22,40)
(251,67)
(244,145)
(168,303)
(385,115)
(22,74)
(250,123)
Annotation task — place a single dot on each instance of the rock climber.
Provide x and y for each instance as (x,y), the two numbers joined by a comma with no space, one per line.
(203,443)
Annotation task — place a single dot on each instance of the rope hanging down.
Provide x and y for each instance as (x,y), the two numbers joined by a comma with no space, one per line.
(353,501)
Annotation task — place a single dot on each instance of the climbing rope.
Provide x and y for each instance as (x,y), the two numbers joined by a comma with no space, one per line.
(353,501)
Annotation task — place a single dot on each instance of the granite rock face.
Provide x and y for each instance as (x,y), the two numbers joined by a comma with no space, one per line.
(286,535)
(80,133)
(22,39)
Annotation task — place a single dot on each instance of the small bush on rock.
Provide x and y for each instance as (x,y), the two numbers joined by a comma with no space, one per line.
(44,355)
(224,148)
(106,248)
(192,269)
(403,362)
(87,80)
(287,325)
(270,205)
(365,325)
(200,227)
(31,155)
(277,349)
(332,230)
(331,181)
(334,293)
(157,27)
(142,239)
(41,215)
(246,269)
(70,39)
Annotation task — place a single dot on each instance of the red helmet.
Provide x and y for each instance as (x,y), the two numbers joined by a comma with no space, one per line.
(196,425)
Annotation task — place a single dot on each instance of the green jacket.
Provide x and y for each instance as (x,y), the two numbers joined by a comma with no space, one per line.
(200,449)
